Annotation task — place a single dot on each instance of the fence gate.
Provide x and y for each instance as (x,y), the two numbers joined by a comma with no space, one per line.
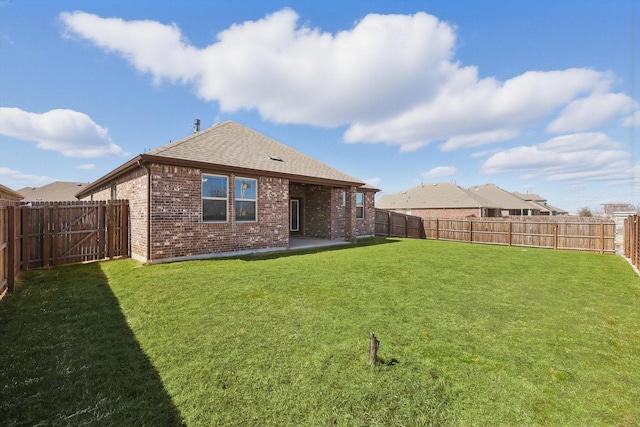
(43,234)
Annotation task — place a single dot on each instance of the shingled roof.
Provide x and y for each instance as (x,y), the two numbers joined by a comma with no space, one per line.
(230,146)
(499,197)
(58,191)
(234,145)
(433,196)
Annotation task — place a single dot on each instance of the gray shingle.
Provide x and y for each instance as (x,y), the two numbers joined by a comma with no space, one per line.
(233,145)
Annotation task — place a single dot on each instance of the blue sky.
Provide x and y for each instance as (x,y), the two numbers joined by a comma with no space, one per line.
(533,96)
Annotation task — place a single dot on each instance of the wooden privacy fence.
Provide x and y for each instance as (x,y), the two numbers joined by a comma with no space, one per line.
(567,233)
(43,234)
(632,239)
(395,224)
(576,234)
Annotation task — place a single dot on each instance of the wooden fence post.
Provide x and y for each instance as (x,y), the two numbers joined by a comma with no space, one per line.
(555,235)
(373,349)
(510,231)
(11,248)
(470,231)
(25,216)
(55,237)
(388,223)
(46,236)
(437,228)
(601,237)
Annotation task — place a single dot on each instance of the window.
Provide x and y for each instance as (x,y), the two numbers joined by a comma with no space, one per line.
(360,205)
(246,199)
(215,195)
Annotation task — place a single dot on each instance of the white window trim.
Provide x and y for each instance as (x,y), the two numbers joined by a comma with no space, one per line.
(240,178)
(360,205)
(202,197)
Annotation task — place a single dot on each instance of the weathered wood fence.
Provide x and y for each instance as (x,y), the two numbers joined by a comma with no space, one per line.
(632,239)
(567,233)
(395,224)
(43,234)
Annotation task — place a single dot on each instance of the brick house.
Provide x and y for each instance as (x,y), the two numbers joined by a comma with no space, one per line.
(439,200)
(229,189)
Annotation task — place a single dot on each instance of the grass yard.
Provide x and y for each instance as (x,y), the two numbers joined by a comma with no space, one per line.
(470,335)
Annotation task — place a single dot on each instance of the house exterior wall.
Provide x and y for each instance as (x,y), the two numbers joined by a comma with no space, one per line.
(367,225)
(317,211)
(132,187)
(177,229)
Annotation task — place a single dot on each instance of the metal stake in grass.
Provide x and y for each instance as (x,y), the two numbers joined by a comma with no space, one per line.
(373,349)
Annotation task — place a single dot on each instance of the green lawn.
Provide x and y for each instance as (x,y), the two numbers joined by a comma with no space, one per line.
(470,335)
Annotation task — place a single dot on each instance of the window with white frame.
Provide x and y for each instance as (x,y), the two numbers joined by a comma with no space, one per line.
(215,198)
(359,205)
(246,197)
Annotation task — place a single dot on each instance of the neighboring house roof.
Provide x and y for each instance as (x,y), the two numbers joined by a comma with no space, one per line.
(58,191)
(539,203)
(9,194)
(434,196)
(500,197)
(230,146)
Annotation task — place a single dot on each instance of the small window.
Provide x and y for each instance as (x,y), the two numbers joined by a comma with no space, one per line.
(246,193)
(215,198)
(360,205)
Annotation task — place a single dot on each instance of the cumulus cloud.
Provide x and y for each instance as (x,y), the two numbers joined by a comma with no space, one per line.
(374,182)
(390,79)
(86,166)
(439,172)
(17,180)
(69,132)
(590,112)
(575,157)
(633,120)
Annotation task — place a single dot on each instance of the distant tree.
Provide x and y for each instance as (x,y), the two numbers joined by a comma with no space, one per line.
(585,212)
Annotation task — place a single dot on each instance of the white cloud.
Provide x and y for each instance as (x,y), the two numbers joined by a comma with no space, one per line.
(633,120)
(591,112)
(374,182)
(575,157)
(439,172)
(390,79)
(69,132)
(17,180)
(86,166)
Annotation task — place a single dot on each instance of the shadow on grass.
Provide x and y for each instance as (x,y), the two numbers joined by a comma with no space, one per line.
(369,241)
(69,357)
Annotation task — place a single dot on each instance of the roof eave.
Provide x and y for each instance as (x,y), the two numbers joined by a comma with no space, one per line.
(122,169)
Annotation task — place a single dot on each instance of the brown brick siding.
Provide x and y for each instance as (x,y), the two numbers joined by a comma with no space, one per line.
(367,226)
(177,229)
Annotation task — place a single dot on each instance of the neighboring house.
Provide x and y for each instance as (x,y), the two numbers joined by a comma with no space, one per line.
(229,189)
(509,204)
(613,208)
(539,204)
(8,194)
(58,191)
(440,200)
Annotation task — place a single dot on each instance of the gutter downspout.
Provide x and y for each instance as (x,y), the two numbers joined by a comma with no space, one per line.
(146,167)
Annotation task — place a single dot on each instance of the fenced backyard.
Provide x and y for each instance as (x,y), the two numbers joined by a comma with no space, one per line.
(43,234)
(566,233)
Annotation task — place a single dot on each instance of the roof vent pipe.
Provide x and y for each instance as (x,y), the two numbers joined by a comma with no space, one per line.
(196,125)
